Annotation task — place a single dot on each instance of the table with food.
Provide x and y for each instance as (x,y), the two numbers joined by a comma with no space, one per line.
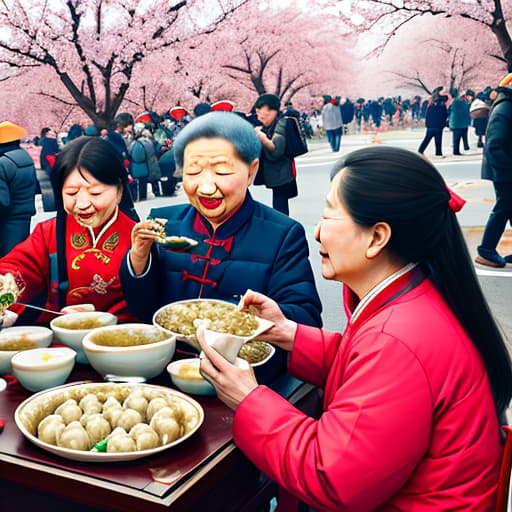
(111,416)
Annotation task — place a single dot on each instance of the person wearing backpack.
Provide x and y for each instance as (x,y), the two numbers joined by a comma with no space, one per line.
(18,184)
(276,169)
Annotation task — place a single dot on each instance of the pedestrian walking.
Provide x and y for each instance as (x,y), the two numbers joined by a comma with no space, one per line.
(459,121)
(332,121)
(18,185)
(497,167)
(435,122)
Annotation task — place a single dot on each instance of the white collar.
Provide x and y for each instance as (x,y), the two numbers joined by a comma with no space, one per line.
(95,239)
(378,288)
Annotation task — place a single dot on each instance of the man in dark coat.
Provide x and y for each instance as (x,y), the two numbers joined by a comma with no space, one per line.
(497,167)
(435,121)
(18,184)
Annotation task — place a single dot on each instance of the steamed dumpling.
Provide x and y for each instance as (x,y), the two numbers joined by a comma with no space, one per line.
(155,405)
(90,404)
(167,428)
(120,441)
(50,428)
(74,437)
(145,437)
(128,418)
(97,428)
(69,411)
(137,402)
(111,411)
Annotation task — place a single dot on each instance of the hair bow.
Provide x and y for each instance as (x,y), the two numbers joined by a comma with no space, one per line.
(455,202)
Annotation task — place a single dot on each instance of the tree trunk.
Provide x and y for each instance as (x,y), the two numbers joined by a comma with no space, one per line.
(500,31)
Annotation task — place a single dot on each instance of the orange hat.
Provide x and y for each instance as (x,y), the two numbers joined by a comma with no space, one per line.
(507,81)
(9,132)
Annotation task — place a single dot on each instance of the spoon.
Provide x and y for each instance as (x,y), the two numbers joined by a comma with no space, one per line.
(130,379)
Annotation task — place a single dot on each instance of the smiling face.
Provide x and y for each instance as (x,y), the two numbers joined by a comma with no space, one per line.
(265,115)
(343,243)
(88,200)
(215,179)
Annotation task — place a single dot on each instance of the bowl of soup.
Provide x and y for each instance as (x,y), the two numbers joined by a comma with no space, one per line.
(129,350)
(70,329)
(20,338)
(186,377)
(43,368)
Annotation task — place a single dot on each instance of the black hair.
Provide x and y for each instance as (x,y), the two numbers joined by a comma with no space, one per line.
(403,189)
(99,158)
(270,100)
(123,119)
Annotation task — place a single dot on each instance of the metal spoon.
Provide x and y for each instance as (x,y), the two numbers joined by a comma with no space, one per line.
(130,379)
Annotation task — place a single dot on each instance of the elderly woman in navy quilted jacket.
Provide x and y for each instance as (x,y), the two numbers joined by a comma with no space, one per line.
(242,243)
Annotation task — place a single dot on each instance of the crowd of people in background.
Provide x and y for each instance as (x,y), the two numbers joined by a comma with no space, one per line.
(145,141)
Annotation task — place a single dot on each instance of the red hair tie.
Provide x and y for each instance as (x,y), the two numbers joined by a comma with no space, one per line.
(455,202)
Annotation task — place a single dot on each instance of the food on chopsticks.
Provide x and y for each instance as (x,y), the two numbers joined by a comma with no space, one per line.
(174,243)
(255,351)
(184,318)
(123,420)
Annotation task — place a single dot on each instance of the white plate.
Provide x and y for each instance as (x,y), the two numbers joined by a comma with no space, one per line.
(88,456)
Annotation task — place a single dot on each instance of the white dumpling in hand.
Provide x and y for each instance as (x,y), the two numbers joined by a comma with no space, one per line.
(70,411)
(166,427)
(138,402)
(145,437)
(120,441)
(97,428)
(90,404)
(128,418)
(74,437)
(50,428)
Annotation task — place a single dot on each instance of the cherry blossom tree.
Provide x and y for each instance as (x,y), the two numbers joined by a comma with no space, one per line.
(94,47)
(440,52)
(277,50)
(388,16)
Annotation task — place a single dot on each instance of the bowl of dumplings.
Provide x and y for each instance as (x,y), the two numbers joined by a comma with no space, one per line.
(135,349)
(106,422)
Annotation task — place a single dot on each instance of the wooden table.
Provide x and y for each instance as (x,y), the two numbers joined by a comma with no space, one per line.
(206,472)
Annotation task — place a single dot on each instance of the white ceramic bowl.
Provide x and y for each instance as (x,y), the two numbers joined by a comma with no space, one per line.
(145,360)
(43,368)
(33,336)
(186,377)
(65,331)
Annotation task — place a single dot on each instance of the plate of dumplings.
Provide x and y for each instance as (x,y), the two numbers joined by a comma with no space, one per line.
(106,422)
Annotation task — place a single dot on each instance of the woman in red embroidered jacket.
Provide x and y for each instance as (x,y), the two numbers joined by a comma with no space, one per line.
(75,257)
(415,388)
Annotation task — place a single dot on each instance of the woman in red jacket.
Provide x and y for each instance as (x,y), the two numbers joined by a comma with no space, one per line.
(415,388)
(75,257)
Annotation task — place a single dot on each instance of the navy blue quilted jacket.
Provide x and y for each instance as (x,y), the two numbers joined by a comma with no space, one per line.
(258,248)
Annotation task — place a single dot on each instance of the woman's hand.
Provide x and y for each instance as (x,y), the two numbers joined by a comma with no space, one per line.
(232,384)
(282,333)
(142,239)
(265,141)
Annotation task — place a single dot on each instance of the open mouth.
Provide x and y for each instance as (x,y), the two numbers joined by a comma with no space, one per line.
(84,217)
(210,202)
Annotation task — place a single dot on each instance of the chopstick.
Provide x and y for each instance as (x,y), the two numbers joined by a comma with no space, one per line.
(40,309)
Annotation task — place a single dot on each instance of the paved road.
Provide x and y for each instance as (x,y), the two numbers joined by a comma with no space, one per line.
(462,173)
